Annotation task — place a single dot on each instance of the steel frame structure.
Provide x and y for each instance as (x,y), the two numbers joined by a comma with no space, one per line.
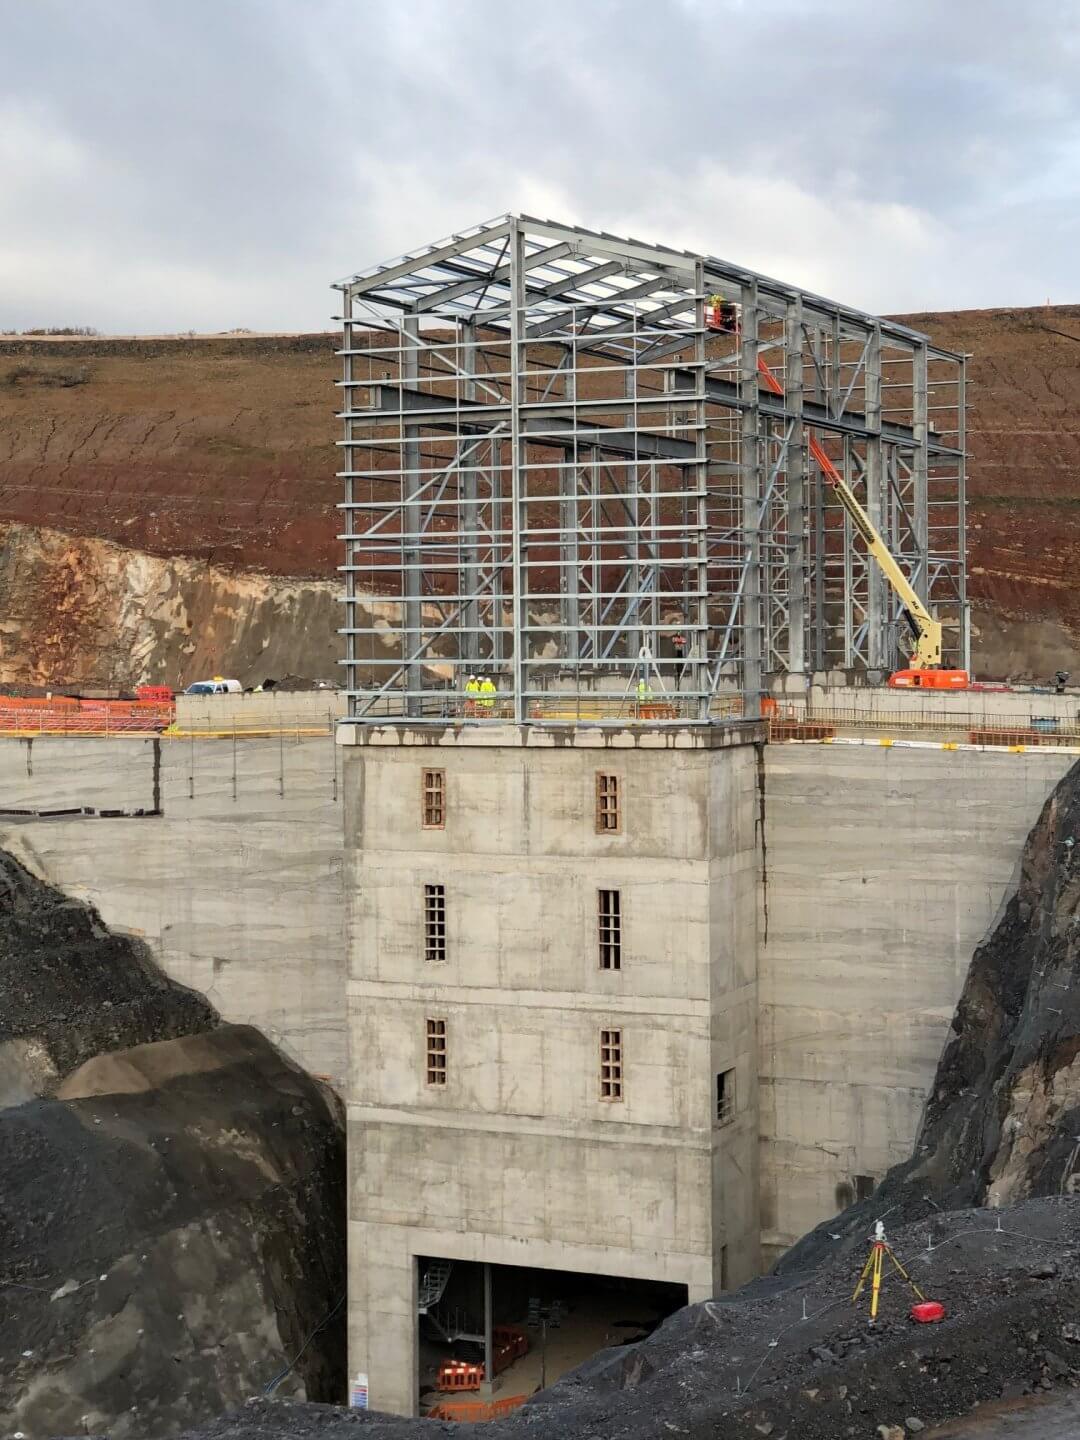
(558,465)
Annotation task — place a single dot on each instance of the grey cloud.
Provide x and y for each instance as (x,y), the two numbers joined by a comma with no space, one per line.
(202,165)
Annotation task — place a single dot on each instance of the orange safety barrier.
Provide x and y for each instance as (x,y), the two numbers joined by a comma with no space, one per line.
(473,1410)
(125,708)
(995,736)
(929,680)
(150,720)
(457,1375)
(511,1342)
(800,730)
(29,702)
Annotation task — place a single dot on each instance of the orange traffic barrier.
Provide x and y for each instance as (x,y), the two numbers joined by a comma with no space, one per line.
(457,1375)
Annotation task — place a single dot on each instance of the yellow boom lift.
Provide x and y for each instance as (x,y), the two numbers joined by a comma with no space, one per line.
(924,669)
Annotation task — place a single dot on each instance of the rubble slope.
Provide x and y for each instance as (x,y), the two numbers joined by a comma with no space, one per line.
(172,1191)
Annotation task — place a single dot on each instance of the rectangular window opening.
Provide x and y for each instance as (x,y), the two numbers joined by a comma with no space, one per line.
(436,1052)
(611,1065)
(433,799)
(608,805)
(434,923)
(609,929)
(725,1096)
(864,1187)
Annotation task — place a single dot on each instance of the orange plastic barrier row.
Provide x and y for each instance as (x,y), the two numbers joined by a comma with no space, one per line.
(20,705)
(28,702)
(800,730)
(1025,737)
(83,722)
(473,1410)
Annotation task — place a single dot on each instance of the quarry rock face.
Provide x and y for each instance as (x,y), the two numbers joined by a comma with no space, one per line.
(172,1192)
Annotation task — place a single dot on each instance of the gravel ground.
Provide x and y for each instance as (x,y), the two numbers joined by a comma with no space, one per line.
(751,1364)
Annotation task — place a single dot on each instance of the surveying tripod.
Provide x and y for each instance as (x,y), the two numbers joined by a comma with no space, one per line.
(879,1249)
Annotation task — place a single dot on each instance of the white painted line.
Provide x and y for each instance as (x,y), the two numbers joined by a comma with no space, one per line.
(886,743)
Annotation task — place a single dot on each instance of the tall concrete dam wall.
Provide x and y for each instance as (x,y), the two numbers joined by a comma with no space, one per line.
(885,866)
(235,882)
(882,869)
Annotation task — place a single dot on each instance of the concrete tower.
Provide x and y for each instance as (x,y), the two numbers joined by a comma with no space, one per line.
(582,530)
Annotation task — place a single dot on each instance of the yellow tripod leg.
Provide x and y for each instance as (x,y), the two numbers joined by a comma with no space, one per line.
(875,1288)
(863,1277)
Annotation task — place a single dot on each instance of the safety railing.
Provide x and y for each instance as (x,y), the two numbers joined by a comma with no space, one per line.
(88,718)
(794,722)
(74,725)
(564,707)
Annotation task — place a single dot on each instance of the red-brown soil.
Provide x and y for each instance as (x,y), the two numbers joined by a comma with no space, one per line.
(221,449)
(217,449)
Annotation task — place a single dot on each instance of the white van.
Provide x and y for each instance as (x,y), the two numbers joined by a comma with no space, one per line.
(216,686)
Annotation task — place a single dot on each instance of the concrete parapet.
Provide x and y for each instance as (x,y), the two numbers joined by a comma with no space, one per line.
(269,709)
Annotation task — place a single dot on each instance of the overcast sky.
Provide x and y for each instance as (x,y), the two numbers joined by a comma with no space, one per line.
(168,165)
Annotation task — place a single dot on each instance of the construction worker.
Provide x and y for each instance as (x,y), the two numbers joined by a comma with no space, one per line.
(720,314)
(472,693)
(678,648)
(644,691)
(487,693)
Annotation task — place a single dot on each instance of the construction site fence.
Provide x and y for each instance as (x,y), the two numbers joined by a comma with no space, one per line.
(798,722)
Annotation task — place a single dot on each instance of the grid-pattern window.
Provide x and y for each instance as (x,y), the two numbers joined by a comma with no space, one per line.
(611,1065)
(433,799)
(608,804)
(436,1052)
(434,922)
(725,1096)
(609,929)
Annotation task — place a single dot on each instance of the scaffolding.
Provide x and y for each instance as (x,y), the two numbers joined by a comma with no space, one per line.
(567,469)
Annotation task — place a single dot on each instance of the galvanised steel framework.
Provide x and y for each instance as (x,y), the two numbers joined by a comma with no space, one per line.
(563,470)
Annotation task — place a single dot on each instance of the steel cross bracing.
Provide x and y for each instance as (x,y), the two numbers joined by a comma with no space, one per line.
(562,471)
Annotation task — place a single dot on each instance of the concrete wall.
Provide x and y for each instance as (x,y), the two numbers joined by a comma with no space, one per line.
(237,887)
(518,1160)
(962,707)
(272,708)
(885,869)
